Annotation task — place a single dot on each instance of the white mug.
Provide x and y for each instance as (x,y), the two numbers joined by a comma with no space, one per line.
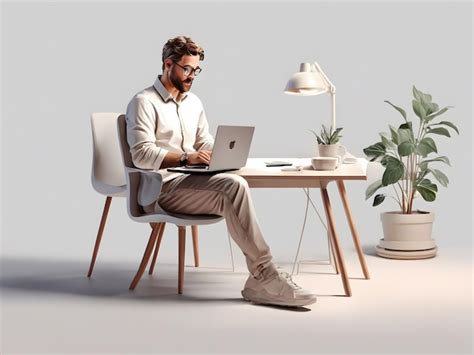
(324,163)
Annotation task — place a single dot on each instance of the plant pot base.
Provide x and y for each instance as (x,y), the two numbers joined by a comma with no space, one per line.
(406,254)
(407,245)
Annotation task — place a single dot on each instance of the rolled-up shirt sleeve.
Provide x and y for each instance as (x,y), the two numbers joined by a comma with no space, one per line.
(204,140)
(141,134)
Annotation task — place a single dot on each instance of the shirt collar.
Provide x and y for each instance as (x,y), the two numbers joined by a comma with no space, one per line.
(165,95)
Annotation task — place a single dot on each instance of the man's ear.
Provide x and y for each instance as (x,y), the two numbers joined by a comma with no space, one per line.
(168,63)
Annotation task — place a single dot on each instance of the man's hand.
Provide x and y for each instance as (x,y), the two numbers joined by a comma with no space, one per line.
(200,157)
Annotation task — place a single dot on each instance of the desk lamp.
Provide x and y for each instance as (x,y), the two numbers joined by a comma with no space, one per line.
(310,81)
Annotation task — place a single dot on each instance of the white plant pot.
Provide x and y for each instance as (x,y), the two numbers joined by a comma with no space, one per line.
(328,150)
(407,236)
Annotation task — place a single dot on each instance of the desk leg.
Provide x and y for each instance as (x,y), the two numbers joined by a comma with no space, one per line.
(355,235)
(337,248)
(331,249)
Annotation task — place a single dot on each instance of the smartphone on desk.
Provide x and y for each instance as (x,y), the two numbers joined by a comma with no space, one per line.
(273,163)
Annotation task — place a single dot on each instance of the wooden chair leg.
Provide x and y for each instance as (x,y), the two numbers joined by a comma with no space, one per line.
(157,247)
(194,230)
(181,248)
(146,256)
(105,212)
(337,248)
(355,235)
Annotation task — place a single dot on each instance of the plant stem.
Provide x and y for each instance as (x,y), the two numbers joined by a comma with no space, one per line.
(407,184)
(411,194)
(398,198)
(403,196)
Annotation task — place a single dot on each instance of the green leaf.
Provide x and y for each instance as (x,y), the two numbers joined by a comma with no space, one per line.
(419,109)
(449,124)
(423,171)
(374,151)
(325,135)
(394,171)
(426,146)
(416,93)
(405,135)
(317,137)
(426,98)
(372,188)
(427,190)
(336,132)
(406,148)
(387,140)
(378,199)
(399,109)
(334,138)
(439,130)
(394,134)
(385,159)
(407,125)
(436,114)
(430,108)
(443,159)
(420,96)
(440,176)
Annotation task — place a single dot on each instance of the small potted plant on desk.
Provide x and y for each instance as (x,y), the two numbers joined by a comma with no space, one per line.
(408,170)
(328,142)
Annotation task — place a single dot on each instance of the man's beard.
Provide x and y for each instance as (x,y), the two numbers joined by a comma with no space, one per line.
(178,84)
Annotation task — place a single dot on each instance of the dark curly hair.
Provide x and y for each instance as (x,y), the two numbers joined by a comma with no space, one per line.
(176,47)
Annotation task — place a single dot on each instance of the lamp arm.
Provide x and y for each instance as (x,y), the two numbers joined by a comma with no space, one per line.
(333,120)
(332,88)
(332,91)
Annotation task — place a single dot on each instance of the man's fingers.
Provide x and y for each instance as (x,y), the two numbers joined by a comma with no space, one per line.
(205,159)
(205,155)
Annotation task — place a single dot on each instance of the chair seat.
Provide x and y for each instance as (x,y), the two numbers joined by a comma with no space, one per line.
(178,219)
(109,190)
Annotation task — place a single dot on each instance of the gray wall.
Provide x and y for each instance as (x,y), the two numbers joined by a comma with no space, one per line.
(60,62)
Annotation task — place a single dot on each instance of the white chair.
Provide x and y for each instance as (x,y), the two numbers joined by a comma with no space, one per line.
(108,177)
(136,212)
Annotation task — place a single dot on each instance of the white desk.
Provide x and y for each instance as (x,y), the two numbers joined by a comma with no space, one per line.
(258,175)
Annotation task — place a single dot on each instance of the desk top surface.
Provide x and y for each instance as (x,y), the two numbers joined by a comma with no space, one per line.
(256,169)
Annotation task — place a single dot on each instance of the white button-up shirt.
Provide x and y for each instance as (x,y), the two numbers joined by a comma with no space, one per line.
(157,124)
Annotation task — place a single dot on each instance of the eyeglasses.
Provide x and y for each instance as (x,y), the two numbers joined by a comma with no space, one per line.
(188,70)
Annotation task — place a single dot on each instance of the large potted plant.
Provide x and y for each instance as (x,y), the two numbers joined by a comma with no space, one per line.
(406,153)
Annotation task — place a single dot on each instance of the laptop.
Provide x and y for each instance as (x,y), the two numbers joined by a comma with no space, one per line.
(230,152)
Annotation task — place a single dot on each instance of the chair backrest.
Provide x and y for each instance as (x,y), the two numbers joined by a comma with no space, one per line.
(121,129)
(133,175)
(107,165)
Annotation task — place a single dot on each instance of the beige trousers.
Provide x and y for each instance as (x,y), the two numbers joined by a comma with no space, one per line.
(226,195)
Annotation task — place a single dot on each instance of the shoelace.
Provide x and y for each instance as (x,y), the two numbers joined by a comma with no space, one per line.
(290,281)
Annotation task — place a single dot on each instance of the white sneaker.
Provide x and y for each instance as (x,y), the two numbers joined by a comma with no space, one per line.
(276,289)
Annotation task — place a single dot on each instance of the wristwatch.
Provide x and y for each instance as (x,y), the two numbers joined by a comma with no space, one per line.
(183,160)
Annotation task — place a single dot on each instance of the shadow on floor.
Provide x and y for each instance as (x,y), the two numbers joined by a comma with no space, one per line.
(109,280)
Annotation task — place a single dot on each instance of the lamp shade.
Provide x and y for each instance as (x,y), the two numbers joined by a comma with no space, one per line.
(306,82)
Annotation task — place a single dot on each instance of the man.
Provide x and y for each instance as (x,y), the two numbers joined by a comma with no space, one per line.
(167,127)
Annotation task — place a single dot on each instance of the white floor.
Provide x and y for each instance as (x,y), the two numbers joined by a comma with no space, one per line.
(49,306)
